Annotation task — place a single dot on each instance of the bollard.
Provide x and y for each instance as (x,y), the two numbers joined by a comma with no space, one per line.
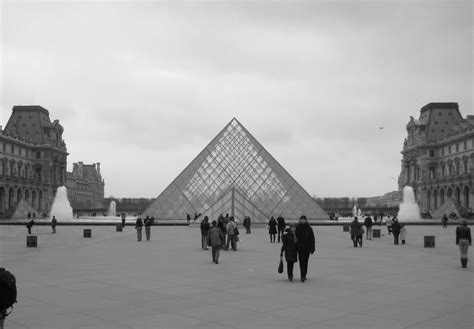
(345,228)
(429,241)
(376,233)
(87,233)
(31,241)
(118,228)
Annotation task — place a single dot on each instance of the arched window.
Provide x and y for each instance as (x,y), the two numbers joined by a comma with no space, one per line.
(435,199)
(466,197)
(11,198)
(450,193)
(19,195)
(441,197)
(428,200)
(33,199)
(458,195)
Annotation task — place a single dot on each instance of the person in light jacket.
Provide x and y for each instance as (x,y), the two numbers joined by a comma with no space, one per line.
(289,249)
(463,240)
(215,240)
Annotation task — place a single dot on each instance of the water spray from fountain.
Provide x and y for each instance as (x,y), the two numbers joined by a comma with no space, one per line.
(409,209)
(112,212)
(61,208)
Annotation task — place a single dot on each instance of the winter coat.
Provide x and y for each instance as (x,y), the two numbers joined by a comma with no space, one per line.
(368,222)
(205,227)
(230,228)
(30,224)
(54,222)
(147,222)
(356,228)
(247,222)
(289,247)
(281,223)
(463,232)
(396,228)
(272,226)
(215,236)
(139,223)
(305,238)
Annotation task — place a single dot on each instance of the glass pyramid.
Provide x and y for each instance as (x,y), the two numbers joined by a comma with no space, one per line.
(234,174)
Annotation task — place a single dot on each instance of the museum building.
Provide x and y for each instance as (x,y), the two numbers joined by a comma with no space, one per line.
(438,159)
(33,158)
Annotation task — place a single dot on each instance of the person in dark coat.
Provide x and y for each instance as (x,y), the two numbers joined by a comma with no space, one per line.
(205,226)
(281,226)
(272,224)
(247,224)
(54,222)
(289,249)
(368,225)
(139,227)
(396,230)
(463,240)
(188,218)
(221,224)
(356,232)
(215,241)
(123,220)
(148,224)
(29,225)
(444,221)
(305,245)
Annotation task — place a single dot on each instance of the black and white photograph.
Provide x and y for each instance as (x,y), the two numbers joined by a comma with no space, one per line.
(236,164)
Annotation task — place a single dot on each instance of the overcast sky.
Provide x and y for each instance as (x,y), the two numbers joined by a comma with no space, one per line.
(143,86)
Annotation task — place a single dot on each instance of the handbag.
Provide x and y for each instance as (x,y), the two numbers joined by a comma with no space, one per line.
(280,266)
(236,231)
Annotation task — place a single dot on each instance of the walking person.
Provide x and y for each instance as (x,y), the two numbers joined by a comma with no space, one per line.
(389,225)
(463,239)
(368,225)
(396,230)
(356,232)
(281,227)
(247,225)
(205,226)
(444,221)
(123,220)
(54,222)
(215,238)
(305,245)
(221,225)
(289,249)
(272,224)
(148,223)
(138,227)
(188,218)
(231,230)
(29,225)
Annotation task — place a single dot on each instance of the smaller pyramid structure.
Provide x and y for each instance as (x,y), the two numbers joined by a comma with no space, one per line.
(449,207)
(22,209)
(235,174)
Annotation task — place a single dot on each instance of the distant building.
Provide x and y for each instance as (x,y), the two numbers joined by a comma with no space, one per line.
(33,160)
(85,186)
(438,157)
(388,200)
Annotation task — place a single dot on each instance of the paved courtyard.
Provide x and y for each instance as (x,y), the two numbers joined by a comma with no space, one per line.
(113,281)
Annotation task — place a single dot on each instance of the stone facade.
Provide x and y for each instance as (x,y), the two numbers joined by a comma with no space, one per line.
(388,200)
(33,158)
(85,187)
(438,157)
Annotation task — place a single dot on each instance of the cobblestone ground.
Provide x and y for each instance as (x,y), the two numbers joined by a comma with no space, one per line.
(113,281)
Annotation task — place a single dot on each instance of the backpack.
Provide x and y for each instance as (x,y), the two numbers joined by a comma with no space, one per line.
(8,289)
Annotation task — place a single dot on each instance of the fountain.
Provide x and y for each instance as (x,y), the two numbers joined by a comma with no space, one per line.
(359,213)
(61,208)
(354,211)
(409,209)
(112,212)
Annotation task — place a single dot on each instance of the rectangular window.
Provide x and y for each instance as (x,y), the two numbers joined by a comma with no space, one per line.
(12,149)
(38,155)
(457,147)
(465,145)
(4,147)
(432,152)
(449,149)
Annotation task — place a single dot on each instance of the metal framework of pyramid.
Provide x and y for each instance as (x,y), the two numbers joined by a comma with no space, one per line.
(234,174)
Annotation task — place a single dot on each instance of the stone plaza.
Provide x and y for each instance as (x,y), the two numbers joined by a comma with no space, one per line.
(113,281)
